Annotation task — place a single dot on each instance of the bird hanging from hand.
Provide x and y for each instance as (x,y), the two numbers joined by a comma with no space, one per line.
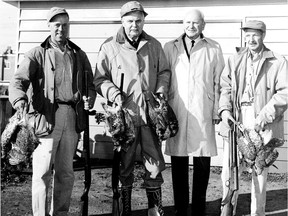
(161,117)
(120,126)
(267,155)
(257,154)
(18,142)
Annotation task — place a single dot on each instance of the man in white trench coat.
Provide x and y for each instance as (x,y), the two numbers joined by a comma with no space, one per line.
(196,63)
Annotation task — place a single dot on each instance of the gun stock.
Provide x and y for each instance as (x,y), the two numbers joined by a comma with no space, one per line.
(116,204)
(233,182)
(87,171)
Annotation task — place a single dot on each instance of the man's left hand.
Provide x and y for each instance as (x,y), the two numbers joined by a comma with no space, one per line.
(265,133)
(262,120)
(87,105)
(216,121)
(161,96)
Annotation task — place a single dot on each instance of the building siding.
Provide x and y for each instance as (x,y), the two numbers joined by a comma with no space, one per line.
(93,22)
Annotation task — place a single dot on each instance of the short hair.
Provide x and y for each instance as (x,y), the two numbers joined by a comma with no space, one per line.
(193,11)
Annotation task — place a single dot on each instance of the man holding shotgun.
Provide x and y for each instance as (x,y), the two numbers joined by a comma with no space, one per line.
(142,60)
(254,85)
(49,86)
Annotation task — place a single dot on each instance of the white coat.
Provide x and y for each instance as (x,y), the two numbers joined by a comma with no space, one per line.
(193,95)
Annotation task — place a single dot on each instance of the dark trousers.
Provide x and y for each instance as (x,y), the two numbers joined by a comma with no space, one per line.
(201,173)
(180,181)
(152,156)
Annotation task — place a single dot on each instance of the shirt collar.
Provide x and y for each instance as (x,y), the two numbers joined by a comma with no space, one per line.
(256,56)
(134,43)
(199,38)
(188,40)
(55,46)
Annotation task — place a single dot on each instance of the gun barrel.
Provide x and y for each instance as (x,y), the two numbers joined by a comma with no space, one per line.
(86,154)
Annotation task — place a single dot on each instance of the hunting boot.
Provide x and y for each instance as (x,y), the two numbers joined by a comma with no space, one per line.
(154,196)
(126,200)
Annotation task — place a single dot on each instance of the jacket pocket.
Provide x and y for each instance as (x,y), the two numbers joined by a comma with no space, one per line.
(40,124)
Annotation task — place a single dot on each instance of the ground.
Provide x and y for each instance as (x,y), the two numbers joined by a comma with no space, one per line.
(16,197)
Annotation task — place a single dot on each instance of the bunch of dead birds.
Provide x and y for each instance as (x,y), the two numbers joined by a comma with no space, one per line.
(120,125)
(18,142)
(256,154)
(161,117)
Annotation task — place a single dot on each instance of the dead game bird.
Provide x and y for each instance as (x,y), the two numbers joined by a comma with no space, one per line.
(267,155)
(18,141)
(249,143)
(255,153)
(162,118)
(120,126)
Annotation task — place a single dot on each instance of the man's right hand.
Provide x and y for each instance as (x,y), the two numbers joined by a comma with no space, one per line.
(119,100)
(21,107)
(226,118)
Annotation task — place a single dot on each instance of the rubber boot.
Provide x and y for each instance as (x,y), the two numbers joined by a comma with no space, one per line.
(126,200)
(154,196)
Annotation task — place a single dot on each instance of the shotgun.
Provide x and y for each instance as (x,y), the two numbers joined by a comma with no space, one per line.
(116,204)
(86,154)
(233,182)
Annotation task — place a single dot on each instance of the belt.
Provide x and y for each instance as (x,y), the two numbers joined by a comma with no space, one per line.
(246,103)
(69,103)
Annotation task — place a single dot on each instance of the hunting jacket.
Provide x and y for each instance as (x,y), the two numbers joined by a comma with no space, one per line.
(34,82)
(145,70)
(270,89)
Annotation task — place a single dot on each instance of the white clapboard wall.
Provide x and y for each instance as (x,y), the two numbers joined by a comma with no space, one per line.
(90,26)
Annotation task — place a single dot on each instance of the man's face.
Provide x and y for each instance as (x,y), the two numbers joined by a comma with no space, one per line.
(133,24)
(254,39)
(193,25)
(59,27)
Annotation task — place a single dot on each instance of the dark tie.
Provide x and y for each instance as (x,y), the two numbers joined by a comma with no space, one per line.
(134,44)
(192,44)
